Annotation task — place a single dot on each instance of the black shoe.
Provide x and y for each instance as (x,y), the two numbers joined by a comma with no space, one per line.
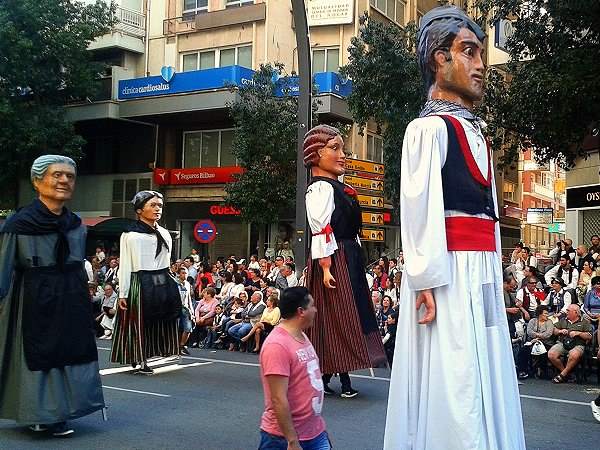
(349,393)
(184,351)
(327,390)
(523,376)
(61,430)
(145,370)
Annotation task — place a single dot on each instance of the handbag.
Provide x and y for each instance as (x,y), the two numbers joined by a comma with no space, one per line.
(160,298)
(538,348)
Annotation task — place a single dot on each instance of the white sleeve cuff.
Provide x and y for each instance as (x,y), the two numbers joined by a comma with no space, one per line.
(320,248)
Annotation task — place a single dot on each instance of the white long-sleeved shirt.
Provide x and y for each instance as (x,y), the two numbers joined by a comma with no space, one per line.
(137,252)
(320,204)
(552,273)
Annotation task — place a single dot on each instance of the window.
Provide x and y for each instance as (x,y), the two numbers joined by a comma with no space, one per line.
(509,191)
(123,192)
(208,148)
(193,7)
(326,60)
(374,148)
(241,56)
(392,9)
(236,3)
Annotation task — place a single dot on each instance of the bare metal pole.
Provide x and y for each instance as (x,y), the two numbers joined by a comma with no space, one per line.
(304,124)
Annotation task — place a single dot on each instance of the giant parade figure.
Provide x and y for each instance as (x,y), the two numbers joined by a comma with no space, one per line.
(345,333)
(453,383)
(48,359)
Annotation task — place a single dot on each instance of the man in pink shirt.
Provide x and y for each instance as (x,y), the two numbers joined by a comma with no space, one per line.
(289,369)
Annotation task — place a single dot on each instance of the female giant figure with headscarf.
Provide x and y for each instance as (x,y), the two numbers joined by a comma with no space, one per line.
(149,299)
(48,358)
(345,333)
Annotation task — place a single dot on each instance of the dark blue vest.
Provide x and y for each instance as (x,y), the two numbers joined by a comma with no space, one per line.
(465,188)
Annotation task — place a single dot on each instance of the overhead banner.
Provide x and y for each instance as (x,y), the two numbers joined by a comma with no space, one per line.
(329,12)
(540,215)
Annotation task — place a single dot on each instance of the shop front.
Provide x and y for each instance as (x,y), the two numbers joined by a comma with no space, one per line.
(583,213)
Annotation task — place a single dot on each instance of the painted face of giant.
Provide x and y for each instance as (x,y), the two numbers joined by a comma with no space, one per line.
(57,184)
(332,158)
(464,73)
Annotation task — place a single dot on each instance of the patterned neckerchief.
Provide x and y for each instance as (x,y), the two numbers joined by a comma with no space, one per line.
(434,107)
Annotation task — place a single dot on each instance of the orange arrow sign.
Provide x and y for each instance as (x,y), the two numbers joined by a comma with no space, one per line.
(370,201)
(364,166)
(372,234)
(369,218)
(364,183)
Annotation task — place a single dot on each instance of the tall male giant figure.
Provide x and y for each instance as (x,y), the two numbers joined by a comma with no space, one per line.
(453,384)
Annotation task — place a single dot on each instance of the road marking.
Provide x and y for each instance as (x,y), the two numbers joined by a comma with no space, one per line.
(556,400)
(136,392)
(368,377)
(176,367)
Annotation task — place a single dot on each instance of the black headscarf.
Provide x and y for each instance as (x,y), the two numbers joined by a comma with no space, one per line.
(36,220)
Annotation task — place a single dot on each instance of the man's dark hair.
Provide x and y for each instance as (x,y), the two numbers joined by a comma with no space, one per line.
(508,277)
(437,31)
(290,266)
(255,272)
(595,236)
(394,260)
(540,309)
(533,270)
(189,258)
(527,249)
(292,299)
(519,244)
(228,277)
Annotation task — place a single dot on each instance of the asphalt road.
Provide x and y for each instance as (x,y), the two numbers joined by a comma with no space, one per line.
(213,401)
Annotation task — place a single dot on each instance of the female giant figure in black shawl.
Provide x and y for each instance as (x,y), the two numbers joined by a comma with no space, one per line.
(48,358)
(345,333)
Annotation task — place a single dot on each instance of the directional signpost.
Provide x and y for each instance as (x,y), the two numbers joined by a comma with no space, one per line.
(373,234)
(367,177)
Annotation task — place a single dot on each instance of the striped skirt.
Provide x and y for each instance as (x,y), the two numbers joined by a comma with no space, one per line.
(345,333)
(135,341)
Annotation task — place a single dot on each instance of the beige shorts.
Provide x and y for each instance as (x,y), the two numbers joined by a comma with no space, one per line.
(561,350)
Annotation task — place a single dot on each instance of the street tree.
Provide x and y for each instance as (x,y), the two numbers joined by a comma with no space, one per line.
(387,88)
(44,63)
(548,95)
(265,146)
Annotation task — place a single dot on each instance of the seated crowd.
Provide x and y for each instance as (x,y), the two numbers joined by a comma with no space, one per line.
(553,315)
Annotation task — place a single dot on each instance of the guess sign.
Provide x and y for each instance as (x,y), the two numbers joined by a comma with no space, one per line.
(220,210)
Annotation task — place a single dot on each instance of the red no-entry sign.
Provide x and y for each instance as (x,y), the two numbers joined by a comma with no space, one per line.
(205,231)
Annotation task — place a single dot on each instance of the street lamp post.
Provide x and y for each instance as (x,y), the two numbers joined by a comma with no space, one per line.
(304,123)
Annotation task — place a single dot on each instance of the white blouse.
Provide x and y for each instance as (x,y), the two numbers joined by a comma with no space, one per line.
(137,252)
(319,209)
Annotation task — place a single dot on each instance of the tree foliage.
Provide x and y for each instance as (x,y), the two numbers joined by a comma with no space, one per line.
(387,88)
(265,146)
(44,63)
(548,95)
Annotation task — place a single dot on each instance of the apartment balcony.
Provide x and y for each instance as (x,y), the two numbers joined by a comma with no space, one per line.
(542,190)
(127,34)
(216,19)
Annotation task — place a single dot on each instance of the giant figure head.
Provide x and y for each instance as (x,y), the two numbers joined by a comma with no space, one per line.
(449,52)
(324,150)
(53,177)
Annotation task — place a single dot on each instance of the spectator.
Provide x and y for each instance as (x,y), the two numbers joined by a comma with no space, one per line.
(225,295)
(187,310)
(242,268)
(585,279)
(573,334)
(280,281)
(291,380)
(238,288)
(107,317)
(254,264)
(379,278)
(269,319)
(195,256)
(384,263)
(391,291)
(594,249)
(530,296)
(397,284)
(564,270)
(591,303)
(100,254)
(389,339)
(383,313)
(204,315)
(376,299)
(192,271)
(89,271)
(393,268)
(264,268)
(253,282)
(233,315)
(112,274)
(569,251)
(516,253)
(286,251)
(216,277)
(558,299)
(539,329)
(401,261)
(216,328)
(97,271)
(531,271)
(289,272)
(250,317)
(275,270)
(515,310)
(582,255)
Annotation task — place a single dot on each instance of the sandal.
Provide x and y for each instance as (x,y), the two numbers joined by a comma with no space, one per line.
(559,379)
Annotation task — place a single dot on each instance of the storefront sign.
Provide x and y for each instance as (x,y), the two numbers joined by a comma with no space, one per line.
(540,215)
(221,78)
(583,197)
(205,231)
(329,12)
(198,175)
(369,218)
(370,201)
(364,166)
(372,234)
(221,210)
(364,183)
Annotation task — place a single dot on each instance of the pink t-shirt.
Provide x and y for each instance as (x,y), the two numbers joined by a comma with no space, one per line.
(283,355)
